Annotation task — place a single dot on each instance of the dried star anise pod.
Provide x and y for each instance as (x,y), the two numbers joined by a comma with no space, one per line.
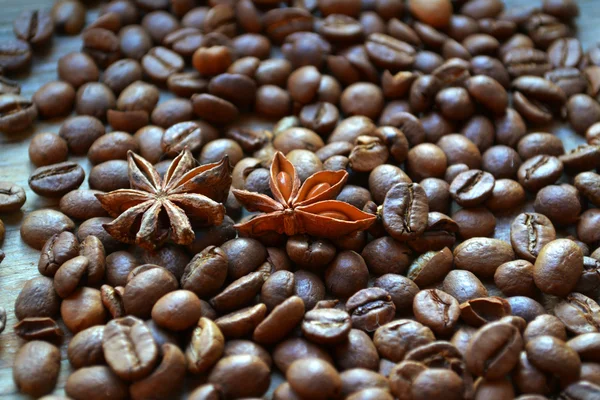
(155,210)
(299,209)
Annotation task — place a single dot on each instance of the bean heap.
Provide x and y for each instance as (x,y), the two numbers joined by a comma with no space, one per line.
(300,200)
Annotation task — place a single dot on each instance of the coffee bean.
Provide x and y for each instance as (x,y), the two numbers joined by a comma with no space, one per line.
(12,197)
(68,16)
(129,348)
(394,339)
(280,322)
(145,286)
(102,45)
(472,188)
(405,211)
(205,347)
(357,352)
(579,313)
(437,310)
(346,275)
(36,368)
(482,255)
(545,325)
(159,24)
(16,113)
(159,63)
(523,61)
(43,328)
(239,293)
(529,233)
(34,26)
(564,363)
(369,308)
(539,171)
(242,322)
(488,92)
(303,374)
(83,309)
(39,226)
(181,135)
(15,55)
(560,256)
(482,356)
(37,299)
(241,376)
(515,278)
(57,179)
(435,13)
(57,250)
(86,381)
(85,349)
(168,377)
(430,267)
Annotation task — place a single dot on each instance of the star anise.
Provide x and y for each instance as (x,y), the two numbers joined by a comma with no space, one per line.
(305,208)
(155,210)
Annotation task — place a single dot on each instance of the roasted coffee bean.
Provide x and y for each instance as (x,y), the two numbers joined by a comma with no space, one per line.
(430,267)
(437,310)
(241,376)
(564,362)
(303,374)
(494,350)
(357,352)
(43,328)
(86,381)
(47,148)
(68,16)
(83,309)
(239,293)
(579,313)
(369,308)
(290,350)
(539,143)
(545,325)
(482,255)
(405,211)
(57,179)
(38,226)
(166,380)
(478,312)
(560,257)
(280,322)
(36,368)
(475,222)
(560,203)
(37,298)
(102,45)
(515,278)
(539,171)
(85,348)
(80,132)
(129,348)
(529,233)
(394,339)
(242,322)
(15,55)
(326,326)
(523,61)
(12,197)
(347,274)
(34,26)
(205,347)
(463,285)
(16,113)
(472,188)
(159,24)
(159,63)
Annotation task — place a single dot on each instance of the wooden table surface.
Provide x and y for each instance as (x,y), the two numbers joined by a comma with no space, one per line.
(21,261)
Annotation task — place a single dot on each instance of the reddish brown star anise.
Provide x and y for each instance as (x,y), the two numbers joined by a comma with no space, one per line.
(302,209)
(155,210)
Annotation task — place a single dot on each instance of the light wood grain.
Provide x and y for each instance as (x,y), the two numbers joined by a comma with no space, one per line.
(21,261)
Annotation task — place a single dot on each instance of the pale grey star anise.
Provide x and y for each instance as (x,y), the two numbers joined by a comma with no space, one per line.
(155,210)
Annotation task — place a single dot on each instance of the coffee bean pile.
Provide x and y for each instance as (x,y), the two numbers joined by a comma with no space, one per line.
(439,115)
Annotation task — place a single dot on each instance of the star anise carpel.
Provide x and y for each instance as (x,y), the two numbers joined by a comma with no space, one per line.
(301,209)
(158,209)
